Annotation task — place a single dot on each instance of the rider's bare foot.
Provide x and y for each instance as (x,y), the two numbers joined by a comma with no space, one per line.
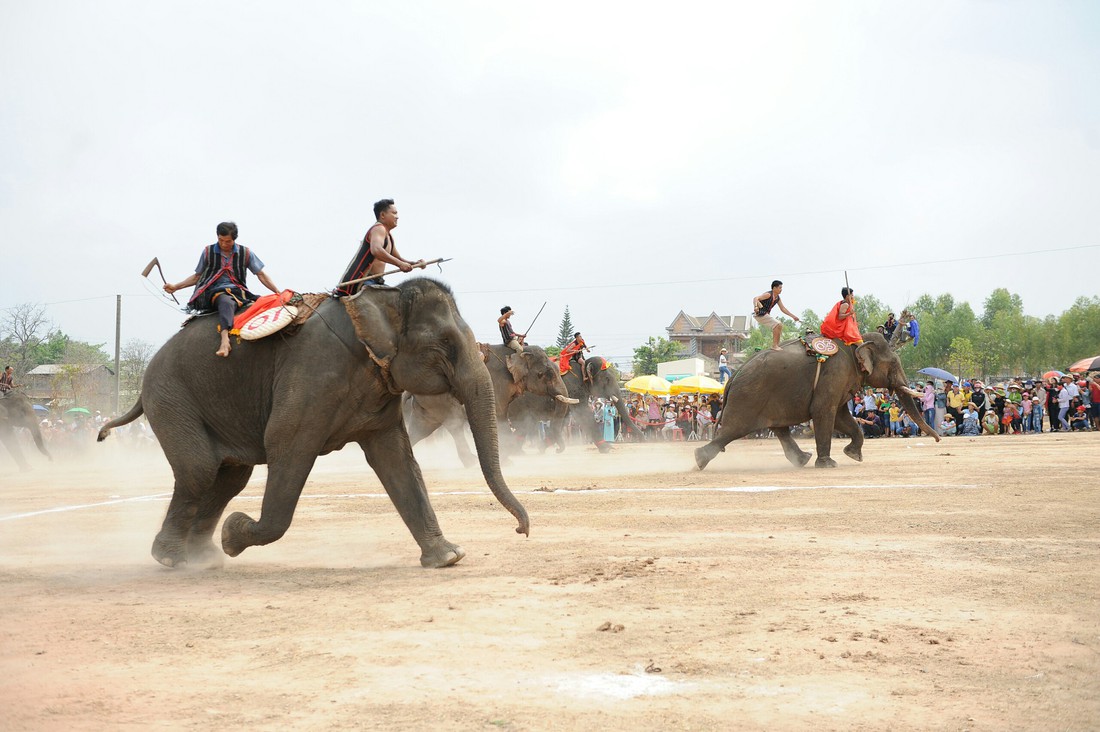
(224,350)
(776,348)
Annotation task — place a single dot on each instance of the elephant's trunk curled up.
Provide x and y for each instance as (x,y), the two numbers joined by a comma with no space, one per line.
(476,393)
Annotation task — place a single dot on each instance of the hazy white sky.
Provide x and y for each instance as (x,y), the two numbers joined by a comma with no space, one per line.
(628,160)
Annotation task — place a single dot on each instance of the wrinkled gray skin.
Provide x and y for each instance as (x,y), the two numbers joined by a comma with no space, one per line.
(602,383)
(285,400)
(513,374)
(16,410)
(774,390)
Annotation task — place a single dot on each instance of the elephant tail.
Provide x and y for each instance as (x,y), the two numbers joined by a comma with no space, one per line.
(135,411)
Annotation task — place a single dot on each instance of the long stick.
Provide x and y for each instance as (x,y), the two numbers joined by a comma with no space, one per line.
(536,318)
(422,265)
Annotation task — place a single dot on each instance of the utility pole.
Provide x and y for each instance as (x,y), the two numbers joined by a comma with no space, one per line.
(118,335)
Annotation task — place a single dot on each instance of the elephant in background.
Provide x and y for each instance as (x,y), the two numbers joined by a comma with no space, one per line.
(602,382)
(775,390)
(284,400)
(16,410)
(513,374)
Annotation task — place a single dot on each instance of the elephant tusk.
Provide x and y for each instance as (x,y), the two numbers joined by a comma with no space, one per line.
(566,400)
(913,392)
(614,399)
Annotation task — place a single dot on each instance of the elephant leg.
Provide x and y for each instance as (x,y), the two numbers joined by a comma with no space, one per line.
(9,440)
(200,548)
(458,433)
(193,481)
(389,454)
(791,450)
(847,424)
(286,476)
(420,425)
(824,419)
(727,433)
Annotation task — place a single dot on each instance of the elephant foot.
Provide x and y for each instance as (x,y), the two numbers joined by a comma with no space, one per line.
(704,455)
(443,555)
(169,553)
(825,462)
(205,556)
(236,534)
(799,459)
(854,453)
(560,448)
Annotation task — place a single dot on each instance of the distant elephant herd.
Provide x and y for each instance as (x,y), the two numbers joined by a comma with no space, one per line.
(387,367)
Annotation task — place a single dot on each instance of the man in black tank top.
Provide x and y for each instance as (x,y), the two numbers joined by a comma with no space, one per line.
(376,250)
(511,339)
(762,309)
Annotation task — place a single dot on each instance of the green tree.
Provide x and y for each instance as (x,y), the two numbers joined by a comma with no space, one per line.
(23,328)
(963,357)
(133,359)
(653,352)
(565,330)
(1001,301)
(811,320)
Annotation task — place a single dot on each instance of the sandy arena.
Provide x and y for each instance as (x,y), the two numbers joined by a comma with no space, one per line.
(950,586)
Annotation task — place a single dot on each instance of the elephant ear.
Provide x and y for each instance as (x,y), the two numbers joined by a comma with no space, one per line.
(865,357)
(373,313)
(518,366)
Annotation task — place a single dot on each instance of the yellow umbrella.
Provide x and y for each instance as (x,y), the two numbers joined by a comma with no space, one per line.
(697,384)
(647,385)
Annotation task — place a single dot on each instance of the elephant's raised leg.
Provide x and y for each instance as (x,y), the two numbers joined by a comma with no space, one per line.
(390,455)
(285,478)
(200,548)
(791,450)
(726,434)
(847,424)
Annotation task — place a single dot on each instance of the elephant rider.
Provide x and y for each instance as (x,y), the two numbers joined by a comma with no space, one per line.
(511,339)
(375,251)
(573,351)
(7,380)
(762,309)
(220,280)
(841,322)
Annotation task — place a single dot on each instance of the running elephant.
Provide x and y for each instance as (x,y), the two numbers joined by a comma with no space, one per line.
(16,410)
(775,390)
(285,400)
(597,380)
(528,372)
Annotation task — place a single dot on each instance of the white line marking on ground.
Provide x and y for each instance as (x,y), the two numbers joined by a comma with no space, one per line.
(534,491)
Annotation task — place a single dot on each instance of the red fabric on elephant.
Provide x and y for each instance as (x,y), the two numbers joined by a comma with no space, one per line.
(846,330)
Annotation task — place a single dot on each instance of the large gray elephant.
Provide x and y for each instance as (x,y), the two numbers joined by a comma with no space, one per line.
(775,390)
(16,410)
(513,374)
(597,380)
(285,400)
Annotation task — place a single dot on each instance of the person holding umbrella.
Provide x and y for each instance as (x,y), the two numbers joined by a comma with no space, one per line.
(7,380)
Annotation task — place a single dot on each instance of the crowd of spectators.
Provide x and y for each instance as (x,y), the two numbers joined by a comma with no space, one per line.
(971,408)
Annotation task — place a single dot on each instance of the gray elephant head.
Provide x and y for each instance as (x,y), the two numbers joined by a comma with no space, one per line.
(881,368)
(534,373)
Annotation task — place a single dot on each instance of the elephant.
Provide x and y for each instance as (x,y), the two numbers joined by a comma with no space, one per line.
(776,390)
(16,410)
(284,400)
(601,383)
(513,373)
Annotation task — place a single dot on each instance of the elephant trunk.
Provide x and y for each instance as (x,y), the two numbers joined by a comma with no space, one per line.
(476,393)
(624,415)
(39,442)
(910,406)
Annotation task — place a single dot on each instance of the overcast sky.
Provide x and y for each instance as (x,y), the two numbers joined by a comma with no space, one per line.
(629,160)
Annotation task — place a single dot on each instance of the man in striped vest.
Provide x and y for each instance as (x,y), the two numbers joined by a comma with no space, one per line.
(220,280)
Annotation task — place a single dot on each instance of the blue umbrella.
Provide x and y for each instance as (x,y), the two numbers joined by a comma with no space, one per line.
(40,408)
(940,374)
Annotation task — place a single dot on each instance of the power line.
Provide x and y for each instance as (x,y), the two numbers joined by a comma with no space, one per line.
(952,260)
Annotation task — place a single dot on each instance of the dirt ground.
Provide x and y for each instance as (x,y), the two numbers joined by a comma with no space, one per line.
(950,586)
